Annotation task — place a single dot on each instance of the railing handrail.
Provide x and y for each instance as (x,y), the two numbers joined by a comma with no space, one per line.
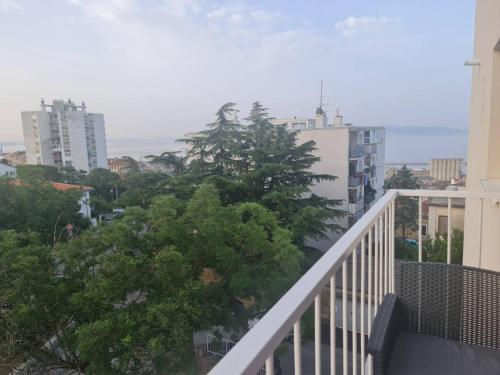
(248,355)
(447,194)
(252,350)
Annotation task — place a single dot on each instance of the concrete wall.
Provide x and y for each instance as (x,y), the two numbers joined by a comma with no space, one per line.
(100,140)
(445,169)
(43,137)
(482,221)
(7,171)
(457,218)
(77,138)
(333,149)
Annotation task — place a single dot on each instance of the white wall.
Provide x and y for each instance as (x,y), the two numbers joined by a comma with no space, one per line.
(78,141)
(333,149)
(7,171)
(42,120)
(482,242)
(100,140)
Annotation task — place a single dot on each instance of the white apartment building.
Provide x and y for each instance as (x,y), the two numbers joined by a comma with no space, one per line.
(355,154)
(65,134)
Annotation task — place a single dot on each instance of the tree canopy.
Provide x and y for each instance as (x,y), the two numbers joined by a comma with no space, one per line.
(127,298)
(406,208)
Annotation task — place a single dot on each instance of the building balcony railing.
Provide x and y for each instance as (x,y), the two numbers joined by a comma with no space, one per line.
(370,148)
(355,181)
(356,151)
(356,207)
(362,260)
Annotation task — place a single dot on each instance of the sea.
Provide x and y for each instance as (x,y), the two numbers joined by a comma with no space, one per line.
(400,148)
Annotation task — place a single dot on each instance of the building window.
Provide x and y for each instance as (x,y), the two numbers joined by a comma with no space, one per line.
(442,225)
(424,230)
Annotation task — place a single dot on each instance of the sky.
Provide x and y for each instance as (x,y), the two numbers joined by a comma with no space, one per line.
(161,68)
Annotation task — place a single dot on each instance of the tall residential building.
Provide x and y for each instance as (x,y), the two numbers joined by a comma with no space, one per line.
(65,134)
(355,154)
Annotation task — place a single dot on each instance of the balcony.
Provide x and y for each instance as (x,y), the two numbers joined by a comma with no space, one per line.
(362,260)
(355,181)
(370,148)
(356,151)
(354,208)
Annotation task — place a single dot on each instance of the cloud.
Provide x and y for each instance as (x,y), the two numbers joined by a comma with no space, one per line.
(110,10)
(354,26)
(6,5)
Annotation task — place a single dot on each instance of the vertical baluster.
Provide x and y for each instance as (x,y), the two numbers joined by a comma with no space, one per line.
(317,335)
(345,348)
(362,305)
(270,365)
(333,327)
(448,245)
(381,261)
(375,269)
(387,251)
(370,280)
(419,229)
(297,347)
(354,309)
(393,267)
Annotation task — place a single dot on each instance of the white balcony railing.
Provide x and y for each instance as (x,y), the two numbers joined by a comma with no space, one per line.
(364,255)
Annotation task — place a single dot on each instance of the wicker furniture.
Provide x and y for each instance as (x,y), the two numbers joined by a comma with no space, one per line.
(445,319)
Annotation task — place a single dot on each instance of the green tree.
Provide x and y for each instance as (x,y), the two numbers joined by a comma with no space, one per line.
(126,298)
(406,208)
(217,147)
(104,183)
(37,206)
(38,172)
(131,166)
(264,164)
(70,175)
(138,189)
(436,250)
(171,161)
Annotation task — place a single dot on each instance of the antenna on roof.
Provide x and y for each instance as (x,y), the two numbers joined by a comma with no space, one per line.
(321,94)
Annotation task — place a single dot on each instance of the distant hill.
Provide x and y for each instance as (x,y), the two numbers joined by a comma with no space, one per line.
(423,131)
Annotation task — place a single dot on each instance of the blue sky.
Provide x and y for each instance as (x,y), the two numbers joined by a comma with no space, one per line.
(161,68)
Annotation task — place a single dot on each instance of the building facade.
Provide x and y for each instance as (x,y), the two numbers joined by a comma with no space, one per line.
(445,169)
(355,154)
(7,171)
(65,134)
(482,218)
(14,159)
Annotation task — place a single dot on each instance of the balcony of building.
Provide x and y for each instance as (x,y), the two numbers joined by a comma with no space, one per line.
(356,151)
(355,181)
(356,280)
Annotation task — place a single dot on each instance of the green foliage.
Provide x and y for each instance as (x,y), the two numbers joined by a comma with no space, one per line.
(37,206)
(262,163)
(406,208)
(138,189)
(126,298)
(104,182)
(433,250)
(38,172)
(170,160)
(404,250)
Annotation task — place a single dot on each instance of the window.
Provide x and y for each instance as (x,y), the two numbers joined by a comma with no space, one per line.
(442,225)
(424,230)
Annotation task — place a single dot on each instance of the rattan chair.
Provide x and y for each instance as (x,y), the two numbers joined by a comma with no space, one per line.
(445,319)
